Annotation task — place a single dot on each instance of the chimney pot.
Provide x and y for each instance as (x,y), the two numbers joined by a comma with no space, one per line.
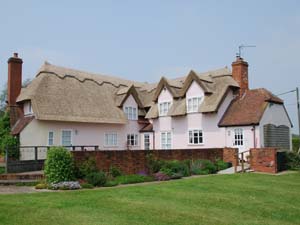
(16,55)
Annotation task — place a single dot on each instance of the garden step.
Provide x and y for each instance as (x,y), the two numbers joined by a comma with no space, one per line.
(36,175)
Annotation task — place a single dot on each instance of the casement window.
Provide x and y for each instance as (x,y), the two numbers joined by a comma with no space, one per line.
(238,137)
(193,104)
(166,140)
(131,113)
(146,141)
(50,138)
(66,138)
(111,139)
(164,108)
(195,137)
(132,139)
(27,108)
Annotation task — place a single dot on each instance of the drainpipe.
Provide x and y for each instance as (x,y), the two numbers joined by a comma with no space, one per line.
(153,133)
(254,136)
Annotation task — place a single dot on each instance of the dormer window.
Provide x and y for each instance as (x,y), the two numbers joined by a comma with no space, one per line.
(164,108)
(131,113)
(193,104)
(27,108)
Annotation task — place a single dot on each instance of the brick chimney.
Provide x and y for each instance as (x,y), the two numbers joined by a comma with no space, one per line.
(240,74)
(14,85)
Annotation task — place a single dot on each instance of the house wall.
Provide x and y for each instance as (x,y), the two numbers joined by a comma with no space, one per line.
(36,132)
(274,114)
(213,136)
(249,137)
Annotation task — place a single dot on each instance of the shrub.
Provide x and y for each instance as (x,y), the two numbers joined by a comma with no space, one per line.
(96,178)
(41,186)
(114,171)
(111,183)
(134,178)
(221,165)
(293,160)
(201,167)
(87,186)
(296,144)
(86,167)
(59,165)
(160,176)
(175,167)
(153,165)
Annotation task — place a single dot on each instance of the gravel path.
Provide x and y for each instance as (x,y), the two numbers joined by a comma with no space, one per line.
(11,189)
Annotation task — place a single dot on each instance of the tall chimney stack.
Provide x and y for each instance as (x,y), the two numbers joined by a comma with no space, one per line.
(14,85)
(240,74)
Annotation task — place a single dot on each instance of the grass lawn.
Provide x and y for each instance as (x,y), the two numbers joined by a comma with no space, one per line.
(227,199)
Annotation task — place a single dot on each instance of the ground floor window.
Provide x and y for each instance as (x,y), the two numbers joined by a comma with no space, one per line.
(195,137)
(238,137)
(111,139)
(50,138)
(132,139)
(146,141)
(166,140)
(66,138)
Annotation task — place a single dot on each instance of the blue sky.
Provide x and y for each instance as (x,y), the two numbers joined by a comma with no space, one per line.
(144,40)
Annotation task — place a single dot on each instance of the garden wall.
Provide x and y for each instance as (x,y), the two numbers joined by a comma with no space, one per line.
(131,162)
(264,160)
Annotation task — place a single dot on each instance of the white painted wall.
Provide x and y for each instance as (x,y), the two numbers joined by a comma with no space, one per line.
(274,114)
(213,136)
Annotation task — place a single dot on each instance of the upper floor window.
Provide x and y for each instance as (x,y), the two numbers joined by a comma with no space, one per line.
(66,138)
(195,137)
(27,108)
(193,104)
(164,108)
(111,139)
(131,113)
(132,139)
(238,137)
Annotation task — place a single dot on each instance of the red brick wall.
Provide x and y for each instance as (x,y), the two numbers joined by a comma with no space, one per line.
(231,155)
(131,162)
(263,160)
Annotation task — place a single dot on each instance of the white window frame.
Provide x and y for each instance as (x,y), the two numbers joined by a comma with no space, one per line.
(131,112)
(193,103)
(164,144)
(71,136)
(164,108)
(132,139)
(147,143)
(238,137)
(52,139)
(191,136)
(114,139)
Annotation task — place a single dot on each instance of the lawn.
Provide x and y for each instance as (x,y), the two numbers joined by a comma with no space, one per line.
(227,199)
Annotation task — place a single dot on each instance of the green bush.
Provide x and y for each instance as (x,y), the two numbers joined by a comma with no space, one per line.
(221,165)
(59,165)
(96,178)
(114,171)
(175,167)
(86,167)
(87,186)
(201,167)
(134,178)
(153,165)
(293,160)
(296,144)
(111,183)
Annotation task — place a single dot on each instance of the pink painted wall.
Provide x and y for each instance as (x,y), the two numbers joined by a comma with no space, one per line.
(36,133)
(213,136)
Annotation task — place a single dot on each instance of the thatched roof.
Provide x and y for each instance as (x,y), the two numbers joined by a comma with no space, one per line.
(215,85)
(63,94)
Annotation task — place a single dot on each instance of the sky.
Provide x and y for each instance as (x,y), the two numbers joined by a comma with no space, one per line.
(144,40)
